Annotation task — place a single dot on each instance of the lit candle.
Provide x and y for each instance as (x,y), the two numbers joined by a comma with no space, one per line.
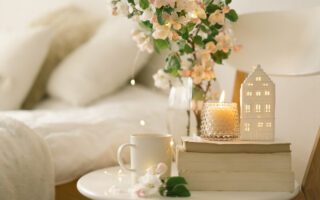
(220,120)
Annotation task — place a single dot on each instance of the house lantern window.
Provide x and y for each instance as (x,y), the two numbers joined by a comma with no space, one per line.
(268,108)
(268,124)
(258,78)
(267,92)
(249,94)
(250,84)
(265,84)
(247,127)
(247,108)
(258,93)
(260,124)
(258,108)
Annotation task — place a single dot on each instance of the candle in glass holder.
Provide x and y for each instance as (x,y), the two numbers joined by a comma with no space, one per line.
(220,120)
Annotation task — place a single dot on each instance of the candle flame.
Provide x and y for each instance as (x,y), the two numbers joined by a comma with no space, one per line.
(222,97)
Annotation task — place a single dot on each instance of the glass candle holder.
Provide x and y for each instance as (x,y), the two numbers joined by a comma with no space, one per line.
(220,121)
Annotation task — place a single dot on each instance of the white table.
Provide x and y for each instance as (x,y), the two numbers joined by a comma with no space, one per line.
(95,185)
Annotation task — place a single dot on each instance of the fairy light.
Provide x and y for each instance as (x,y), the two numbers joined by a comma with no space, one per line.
(132,82)
(142,123)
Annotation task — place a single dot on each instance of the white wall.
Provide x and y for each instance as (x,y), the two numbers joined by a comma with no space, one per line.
(298,116)
(248,6)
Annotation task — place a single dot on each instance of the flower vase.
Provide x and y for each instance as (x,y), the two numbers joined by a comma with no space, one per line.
(179,114)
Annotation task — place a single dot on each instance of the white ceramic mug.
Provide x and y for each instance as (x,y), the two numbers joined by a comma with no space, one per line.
(147,151)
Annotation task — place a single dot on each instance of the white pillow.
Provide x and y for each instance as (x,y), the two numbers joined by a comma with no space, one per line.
(98,67)
(21,55)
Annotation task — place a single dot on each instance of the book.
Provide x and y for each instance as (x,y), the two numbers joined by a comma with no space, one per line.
(236,171)
(239,181)
(254,162)
(197,144)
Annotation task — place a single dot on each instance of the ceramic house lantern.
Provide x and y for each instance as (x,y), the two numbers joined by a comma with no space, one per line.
(257,104)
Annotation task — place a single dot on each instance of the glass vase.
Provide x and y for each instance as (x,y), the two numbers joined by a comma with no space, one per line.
(179,114)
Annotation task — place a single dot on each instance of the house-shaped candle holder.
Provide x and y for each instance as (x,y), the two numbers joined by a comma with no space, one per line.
(257,104)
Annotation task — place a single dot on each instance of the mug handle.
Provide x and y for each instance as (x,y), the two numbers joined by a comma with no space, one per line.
(120,161)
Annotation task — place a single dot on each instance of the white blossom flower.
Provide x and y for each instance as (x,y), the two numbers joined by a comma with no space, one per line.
(162,31)
(147,14)
(216,17)
(201,13)
(225,9)
(146,45)
(186,5)
(149,184)
(162,79)
(143,41)
(122,8)
(177,21)
(205,54)
(200,73)
(224,42)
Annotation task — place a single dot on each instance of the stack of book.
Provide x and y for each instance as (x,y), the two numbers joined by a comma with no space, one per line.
(236,165)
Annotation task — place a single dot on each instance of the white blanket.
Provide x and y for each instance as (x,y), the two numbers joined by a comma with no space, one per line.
(26,167)
(84,139)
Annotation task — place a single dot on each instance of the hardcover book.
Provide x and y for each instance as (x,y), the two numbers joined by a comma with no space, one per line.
(197,144)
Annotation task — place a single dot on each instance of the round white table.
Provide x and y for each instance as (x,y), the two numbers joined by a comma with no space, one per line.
(96,185)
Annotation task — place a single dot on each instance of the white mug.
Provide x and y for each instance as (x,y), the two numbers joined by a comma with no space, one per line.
(147,151)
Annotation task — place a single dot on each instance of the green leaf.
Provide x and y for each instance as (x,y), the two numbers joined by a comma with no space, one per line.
(168,9)
(218,26)
(182,13)
(232,15)
(156,49)
(209,39)
(146,25)
(173,65)
(187,49)
(190,60)
(161,44)
(214,31)
(197,94)
(203,28)
(144,4)
(160,17)
(181,191)
(131,2)
(211,8)
(228,2)
(219,56)
(205,21)
(183,32)
(175,180)
(162,190)
(190,26)
(198,40)
(181,44)
(130,15)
